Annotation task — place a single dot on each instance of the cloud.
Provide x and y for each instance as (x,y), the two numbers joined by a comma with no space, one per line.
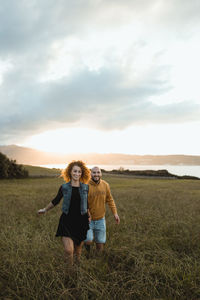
(28,26)
(90,63)
(93,99)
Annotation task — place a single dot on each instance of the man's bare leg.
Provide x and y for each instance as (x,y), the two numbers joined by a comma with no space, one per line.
(99,247)
(87,246)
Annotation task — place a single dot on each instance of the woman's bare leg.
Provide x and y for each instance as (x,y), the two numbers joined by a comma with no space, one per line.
(69,249)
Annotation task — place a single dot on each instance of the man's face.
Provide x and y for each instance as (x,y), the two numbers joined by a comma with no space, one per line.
(96,174)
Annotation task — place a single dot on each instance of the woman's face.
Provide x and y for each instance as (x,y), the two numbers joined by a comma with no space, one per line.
(76,173)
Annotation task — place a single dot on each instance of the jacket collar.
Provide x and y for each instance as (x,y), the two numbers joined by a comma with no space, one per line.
(92,182)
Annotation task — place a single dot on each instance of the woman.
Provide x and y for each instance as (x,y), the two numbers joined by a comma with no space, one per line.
(74,221)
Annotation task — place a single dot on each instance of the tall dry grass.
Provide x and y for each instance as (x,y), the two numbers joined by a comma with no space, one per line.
(153,254)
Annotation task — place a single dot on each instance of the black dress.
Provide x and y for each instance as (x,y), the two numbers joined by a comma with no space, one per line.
(73,225)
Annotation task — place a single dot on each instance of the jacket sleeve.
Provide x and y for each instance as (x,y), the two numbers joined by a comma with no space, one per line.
(110,200)
(58,197)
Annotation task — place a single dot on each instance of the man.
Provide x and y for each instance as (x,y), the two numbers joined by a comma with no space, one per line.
(99,195)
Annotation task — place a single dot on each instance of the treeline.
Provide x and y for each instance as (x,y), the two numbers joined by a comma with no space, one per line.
(10,169)
(150,173)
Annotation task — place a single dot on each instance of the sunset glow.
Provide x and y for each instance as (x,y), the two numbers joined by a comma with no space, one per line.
(101,76)
(134,140)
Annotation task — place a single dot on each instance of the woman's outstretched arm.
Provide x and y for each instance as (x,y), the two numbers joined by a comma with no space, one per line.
(53,203)
(45,209)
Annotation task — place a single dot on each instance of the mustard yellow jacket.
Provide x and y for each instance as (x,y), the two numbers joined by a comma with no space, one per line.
(99,194)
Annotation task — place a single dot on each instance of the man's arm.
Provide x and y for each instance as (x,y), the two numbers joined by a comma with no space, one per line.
(117,219)
(111,204)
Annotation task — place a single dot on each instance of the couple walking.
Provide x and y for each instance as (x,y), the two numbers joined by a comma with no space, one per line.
(83,209)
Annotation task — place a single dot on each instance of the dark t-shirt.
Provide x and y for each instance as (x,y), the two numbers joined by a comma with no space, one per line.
(74,209)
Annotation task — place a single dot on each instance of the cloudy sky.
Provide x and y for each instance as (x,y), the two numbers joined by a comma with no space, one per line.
(100,75)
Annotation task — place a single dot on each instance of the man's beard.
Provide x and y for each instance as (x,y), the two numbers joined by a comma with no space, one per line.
(96,180)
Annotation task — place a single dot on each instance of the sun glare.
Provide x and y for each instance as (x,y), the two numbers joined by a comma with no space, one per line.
(141,140)
(73,140)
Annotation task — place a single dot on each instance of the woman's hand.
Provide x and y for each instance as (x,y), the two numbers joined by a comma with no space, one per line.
(42,211)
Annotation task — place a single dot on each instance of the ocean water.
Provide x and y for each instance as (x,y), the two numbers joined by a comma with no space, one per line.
(176,170)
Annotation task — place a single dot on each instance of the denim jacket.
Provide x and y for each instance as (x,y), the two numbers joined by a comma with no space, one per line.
(67,193)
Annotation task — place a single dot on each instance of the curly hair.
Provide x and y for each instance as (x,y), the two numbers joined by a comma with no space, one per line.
(85,176)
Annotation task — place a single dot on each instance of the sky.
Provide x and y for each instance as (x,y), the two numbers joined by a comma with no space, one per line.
(105,76)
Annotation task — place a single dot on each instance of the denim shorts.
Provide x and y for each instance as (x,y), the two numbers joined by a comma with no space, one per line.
(97,231)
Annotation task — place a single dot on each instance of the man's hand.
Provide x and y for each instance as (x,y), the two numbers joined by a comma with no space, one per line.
(41,211)
(89,216)
(117,219)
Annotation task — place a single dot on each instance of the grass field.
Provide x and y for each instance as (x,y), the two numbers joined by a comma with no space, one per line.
(42,172)
(153,254)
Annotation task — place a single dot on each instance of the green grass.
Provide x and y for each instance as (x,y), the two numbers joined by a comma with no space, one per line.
(153,254)
(35,171)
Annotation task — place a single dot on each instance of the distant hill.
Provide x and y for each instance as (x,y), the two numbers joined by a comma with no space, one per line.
(35,157)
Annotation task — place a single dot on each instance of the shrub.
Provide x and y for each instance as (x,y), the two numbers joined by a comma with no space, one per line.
(10,169)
